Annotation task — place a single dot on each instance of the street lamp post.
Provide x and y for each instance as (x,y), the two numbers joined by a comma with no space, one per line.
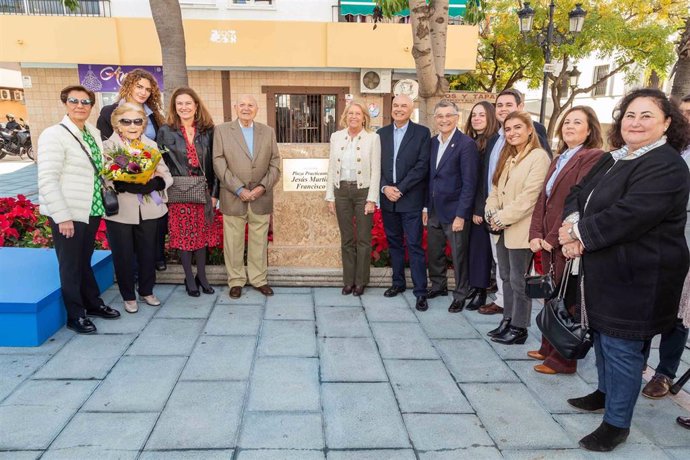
(576,19)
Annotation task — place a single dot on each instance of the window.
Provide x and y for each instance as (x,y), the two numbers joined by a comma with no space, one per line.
(55,7)
(305,118)
(602,87)
(258,3)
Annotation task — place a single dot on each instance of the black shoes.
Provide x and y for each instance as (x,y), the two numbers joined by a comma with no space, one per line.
(161,266)
(205,290)
(605,438)
(505,324)
(192,292)
(422,304)
(104,311)
(393,291)
(456,306)
(476,299)
(593,402)
(440,292)
(81,325)
(358,291)
(511,336)
(347,290)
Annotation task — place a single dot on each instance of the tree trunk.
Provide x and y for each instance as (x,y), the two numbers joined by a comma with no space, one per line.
(168,20)
(681,82)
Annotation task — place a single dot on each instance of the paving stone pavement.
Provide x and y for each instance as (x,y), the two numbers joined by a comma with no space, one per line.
(306,374)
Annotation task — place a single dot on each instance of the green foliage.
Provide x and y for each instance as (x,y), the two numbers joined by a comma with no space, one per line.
(73,5)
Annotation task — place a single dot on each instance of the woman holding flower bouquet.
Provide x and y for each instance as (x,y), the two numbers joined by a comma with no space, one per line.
(187,142)
(140,178)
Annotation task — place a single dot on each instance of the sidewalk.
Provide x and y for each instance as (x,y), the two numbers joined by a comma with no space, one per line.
(306,374)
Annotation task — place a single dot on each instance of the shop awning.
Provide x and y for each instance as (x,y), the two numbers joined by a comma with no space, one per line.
(366,7)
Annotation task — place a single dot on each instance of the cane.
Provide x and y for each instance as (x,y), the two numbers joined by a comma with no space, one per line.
(680,382)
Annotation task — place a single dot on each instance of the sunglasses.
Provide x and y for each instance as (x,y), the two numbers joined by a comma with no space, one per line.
(128,121)
(75,101)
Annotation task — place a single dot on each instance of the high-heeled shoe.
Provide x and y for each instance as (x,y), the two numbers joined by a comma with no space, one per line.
(502,327)
(206,290)
(512,336)
(191,292)
(478,299)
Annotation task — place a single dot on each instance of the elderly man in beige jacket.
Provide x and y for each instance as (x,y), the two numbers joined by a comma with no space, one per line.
(247,163)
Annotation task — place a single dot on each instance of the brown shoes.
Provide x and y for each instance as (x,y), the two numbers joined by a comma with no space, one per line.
(536,355)
(347,290)
(542,369)
(658,387)
(265,290)
(490,309)
(236,292)
(358,291)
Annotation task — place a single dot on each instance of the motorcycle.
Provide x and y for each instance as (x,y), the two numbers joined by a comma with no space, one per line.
(16,143)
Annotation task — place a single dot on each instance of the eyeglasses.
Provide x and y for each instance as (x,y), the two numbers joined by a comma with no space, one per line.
(128,121)
(447,116)
(75,101)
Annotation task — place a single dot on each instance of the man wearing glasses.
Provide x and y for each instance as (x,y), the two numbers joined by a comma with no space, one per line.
(453,174)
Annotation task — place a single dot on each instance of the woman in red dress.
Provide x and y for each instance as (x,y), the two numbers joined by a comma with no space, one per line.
(187,142)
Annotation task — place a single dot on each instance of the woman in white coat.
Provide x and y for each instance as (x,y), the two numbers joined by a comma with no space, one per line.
(69,195)
(132,232)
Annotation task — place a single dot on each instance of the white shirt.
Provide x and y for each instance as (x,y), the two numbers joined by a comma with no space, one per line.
(442,146)
(348,165)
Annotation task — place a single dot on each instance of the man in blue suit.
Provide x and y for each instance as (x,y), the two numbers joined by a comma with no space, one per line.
(453,176)
(404,174)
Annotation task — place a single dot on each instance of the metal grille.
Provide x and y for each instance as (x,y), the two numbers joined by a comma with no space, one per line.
(55,8)
(305,118)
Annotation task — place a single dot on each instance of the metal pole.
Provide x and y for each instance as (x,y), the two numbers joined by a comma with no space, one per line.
(547,60)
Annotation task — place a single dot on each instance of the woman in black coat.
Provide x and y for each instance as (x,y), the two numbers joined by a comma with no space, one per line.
(626,220)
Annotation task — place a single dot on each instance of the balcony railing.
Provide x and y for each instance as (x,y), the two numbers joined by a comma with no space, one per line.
(55,8)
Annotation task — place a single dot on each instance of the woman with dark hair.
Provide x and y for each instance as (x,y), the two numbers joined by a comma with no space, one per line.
(519,177)
(579,148)
(188,138)
(480,126)
(70,196)
(626,221)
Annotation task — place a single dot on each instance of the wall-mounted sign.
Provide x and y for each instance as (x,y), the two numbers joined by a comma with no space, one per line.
(408,87)
(373,110)
(26,81)
(223,36)
(109,78)
(469,97)
(305,174)
(349,98)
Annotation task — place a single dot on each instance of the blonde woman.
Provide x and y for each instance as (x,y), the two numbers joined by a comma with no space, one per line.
(354,173)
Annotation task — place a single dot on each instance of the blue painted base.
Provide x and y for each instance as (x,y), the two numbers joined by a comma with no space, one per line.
(31,305)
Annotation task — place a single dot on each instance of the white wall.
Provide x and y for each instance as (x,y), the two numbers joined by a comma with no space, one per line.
(281,10)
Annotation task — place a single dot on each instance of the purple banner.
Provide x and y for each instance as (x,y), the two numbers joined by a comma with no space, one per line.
(109,78)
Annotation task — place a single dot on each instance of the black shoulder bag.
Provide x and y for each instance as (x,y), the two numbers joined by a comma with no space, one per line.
(539,286)
(108,194)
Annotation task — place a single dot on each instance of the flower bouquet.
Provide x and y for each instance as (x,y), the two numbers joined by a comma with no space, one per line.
(135,165)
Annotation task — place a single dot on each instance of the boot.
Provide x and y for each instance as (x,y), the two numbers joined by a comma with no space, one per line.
(605,438)
(593,402)
(505,324)
(513,335)
(477,300)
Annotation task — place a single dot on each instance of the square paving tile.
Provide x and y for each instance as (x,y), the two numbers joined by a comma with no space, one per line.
(656,418)
(473,360)
(20,454)
(91,436)
(362,415)
(556,454)
(350,360)
(579,425)
(342,322)
(250,296)
(210,454)
(479,453)
(380,454)
(281,431)
(276,454)
(439,324)
(49,347)
(493,401)
(285,384)
(97,355)
(425,386)
(287,338)
(221,358)
(36,412)
(183,306)
(168,337)
(383,309)
(331,297)
(442,431)
(290,306)
(16,369)
(127,324)
(234,320)
(403,341)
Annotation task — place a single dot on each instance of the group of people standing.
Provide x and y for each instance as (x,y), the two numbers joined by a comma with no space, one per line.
(496,197)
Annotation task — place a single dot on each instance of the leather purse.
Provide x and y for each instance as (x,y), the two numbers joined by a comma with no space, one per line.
(570,338)
(188,189)
(111,205)
(539,286)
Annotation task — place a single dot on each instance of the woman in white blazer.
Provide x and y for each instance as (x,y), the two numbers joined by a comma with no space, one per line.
(132,232)
(69,195)
(354,173)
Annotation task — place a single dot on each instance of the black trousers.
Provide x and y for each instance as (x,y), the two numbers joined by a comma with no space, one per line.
(401,227)
(437,235)
(126,242)
(162,231)
(80,290)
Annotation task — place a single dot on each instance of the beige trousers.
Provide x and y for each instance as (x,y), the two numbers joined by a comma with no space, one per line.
(257,248)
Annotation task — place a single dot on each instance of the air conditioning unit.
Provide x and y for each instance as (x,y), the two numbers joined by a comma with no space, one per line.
(18,95)
(5,95)
(375,81)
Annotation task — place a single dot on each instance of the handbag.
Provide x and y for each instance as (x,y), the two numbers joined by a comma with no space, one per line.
(111,205)
(570,338)
(188,189)
(539,286)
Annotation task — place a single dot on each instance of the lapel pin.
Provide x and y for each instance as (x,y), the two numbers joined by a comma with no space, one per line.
(452,145)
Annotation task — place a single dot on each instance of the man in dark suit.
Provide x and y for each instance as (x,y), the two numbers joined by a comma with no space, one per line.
(508,101)
(453,174)
(404,172)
